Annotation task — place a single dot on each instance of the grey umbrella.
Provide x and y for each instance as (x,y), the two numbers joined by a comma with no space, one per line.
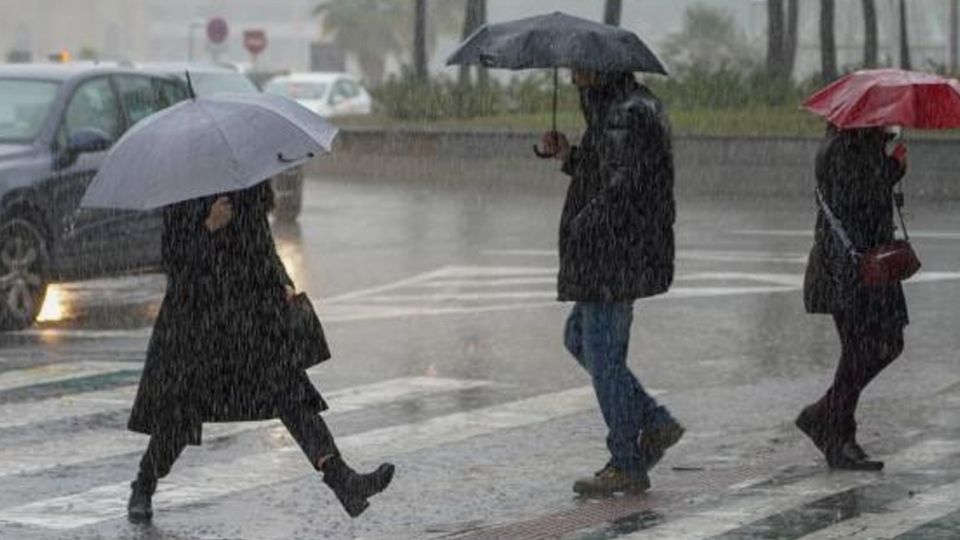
(555,41)
(204,146)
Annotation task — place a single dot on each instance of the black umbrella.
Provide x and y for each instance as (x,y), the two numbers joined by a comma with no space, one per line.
(556,41)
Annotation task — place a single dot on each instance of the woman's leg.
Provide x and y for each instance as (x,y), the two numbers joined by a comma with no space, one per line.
(317,443)
(162,451)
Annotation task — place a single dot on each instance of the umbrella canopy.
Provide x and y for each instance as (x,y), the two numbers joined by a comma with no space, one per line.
(207,146)
(889,97)
(554,41)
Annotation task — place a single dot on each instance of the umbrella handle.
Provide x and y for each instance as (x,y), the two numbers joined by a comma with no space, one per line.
(540,154)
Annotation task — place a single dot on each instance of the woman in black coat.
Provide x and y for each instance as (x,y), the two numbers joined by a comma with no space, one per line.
(221,349)
(855,179)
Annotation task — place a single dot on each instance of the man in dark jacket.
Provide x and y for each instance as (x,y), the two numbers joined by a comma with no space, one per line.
(616,245)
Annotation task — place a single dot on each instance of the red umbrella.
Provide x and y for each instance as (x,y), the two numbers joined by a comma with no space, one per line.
(889,97)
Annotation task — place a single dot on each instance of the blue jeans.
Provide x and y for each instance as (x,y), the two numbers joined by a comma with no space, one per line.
(597,335)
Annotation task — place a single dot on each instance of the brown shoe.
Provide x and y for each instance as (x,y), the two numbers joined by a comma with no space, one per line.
(655,442)
(609,481)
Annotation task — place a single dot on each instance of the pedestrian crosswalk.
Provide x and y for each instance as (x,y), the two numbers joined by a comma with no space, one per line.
(740,512)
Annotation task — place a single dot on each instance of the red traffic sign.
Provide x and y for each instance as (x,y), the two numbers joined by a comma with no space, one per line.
(255,41)
(217,30)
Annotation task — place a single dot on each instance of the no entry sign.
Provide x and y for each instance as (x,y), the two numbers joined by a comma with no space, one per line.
(255,41)
(217,30)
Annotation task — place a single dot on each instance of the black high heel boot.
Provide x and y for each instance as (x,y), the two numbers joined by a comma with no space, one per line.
(353,489)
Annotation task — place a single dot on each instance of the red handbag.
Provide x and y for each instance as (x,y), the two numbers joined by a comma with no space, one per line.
(883,265)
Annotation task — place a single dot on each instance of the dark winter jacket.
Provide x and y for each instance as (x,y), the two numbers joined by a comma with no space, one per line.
(857,180)
(220,349)
(616,230)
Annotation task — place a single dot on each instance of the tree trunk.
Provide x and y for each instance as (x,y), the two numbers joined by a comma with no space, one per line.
(471,21)
(775,41)
(420,40)
(828,41)
(904,37)
(954,36)
(483,74)
(790,42)
(612,12)
(870,34)
(474,18)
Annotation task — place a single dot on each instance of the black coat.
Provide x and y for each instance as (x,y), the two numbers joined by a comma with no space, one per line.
(616,230)
(221,348)
(857,180)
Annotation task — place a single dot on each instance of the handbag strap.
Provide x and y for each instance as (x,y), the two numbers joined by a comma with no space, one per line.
(837,227)
(898,204)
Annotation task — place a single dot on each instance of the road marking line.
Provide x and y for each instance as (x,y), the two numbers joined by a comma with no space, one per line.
(759,503)
(903,516)
(104,443)
(51,373)
(933,235)
(198,484)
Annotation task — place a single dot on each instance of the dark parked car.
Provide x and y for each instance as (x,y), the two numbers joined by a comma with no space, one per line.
(210,79)
(56,124)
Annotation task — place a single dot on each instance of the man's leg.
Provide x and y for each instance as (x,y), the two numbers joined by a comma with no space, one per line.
(605,333)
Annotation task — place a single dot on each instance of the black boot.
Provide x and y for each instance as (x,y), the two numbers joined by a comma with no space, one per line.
(353,489)
(140,506)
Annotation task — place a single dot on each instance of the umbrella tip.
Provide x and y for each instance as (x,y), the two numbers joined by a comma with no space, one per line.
(193,95)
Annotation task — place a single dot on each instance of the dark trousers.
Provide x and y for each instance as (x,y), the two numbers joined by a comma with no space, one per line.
(307,428)
(865,352)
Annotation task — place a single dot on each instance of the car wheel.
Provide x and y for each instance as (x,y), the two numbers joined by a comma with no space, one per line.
(24,266)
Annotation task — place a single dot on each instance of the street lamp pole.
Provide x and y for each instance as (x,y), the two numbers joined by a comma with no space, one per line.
(196,23)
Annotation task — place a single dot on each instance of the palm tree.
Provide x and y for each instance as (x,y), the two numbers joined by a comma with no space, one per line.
(373,30)
(612,11)
(362,28)
(474,18)
(790,40)
(420,40)
(954,35)
(870,44)
(775,41)
(904,37)
(782,38)
(828,40)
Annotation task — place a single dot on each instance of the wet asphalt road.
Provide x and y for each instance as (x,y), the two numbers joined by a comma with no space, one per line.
(438,302)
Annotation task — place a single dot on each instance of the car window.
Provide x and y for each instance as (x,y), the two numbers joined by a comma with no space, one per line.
(171,91)
(344,89)
(207,84)
(94,105)
(297,90)
(24,106)
(140,96)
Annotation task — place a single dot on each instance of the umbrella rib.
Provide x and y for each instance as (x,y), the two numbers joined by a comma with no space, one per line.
(226,141)
(297,124)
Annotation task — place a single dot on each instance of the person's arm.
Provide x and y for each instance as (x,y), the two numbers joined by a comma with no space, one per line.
(188,245)
(635,148)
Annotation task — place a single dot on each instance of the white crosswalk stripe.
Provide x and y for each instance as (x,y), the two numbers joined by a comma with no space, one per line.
(903,516)
(197,484)
(754,504)
(94,444)
(52,373)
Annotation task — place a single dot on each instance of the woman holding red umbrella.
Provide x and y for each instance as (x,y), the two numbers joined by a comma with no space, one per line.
(856,265)
(855,182)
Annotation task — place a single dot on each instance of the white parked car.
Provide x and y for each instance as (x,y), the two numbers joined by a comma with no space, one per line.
(327,93)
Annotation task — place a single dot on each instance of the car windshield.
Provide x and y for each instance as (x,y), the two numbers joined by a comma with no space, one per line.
(24,106)
(206,84)
(298,90)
